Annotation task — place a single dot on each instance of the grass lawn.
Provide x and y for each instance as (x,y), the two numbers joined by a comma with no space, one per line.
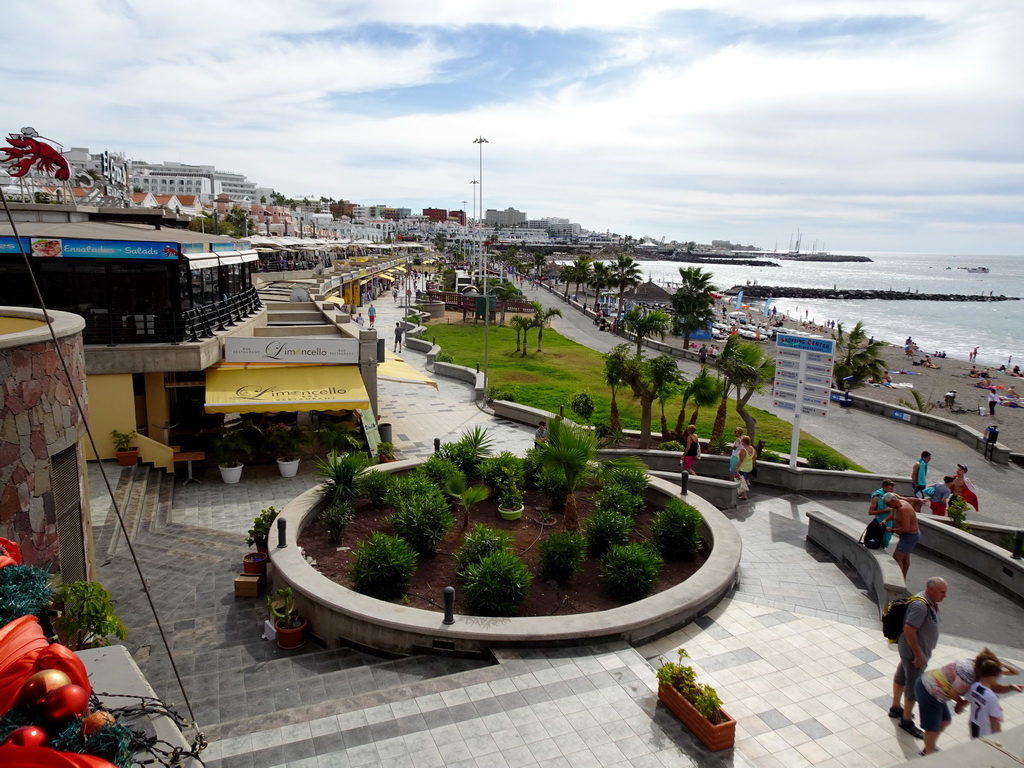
(548,380)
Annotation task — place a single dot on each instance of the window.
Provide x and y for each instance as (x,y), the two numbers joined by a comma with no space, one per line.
(67,503)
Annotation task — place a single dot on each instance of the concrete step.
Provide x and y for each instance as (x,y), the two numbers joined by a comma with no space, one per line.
(131,498)
(283,331)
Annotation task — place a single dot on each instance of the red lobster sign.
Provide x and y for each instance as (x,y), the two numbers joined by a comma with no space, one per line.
(27,150)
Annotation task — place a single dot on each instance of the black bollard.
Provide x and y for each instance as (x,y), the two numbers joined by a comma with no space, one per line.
(281,526)
(684,480)
(561,411)
(1018,545)
(449,605)
(478,367)
(437,445)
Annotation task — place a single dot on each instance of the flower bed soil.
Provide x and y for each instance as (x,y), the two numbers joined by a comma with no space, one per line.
(586,593)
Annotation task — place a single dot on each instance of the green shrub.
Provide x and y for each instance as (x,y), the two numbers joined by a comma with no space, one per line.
(605,528)
(608,436)
(532,465)
(468,451)
(491,469)
(772,457)
(631,570)
(619,498)
(384,566)
(675,530)
(339,472)
(423,519)
(497,585)
(444,357)
(407,486)
(439,471)
(561,556)
(336,516)
(819,459)
(375,486)
(957,511)
(552,484)
(478,544)
(670,445)
(635,479)
(582,404)
(510,394)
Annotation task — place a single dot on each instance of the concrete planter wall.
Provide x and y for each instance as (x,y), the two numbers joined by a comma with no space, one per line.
(340,616)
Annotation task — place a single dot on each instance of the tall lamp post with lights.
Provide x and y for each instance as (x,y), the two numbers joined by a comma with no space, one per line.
(474,182)
(480,141)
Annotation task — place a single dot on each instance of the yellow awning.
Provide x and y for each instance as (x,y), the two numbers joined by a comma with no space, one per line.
(388,275)
(399,269)
(396,370)
(337,300)
(284,388)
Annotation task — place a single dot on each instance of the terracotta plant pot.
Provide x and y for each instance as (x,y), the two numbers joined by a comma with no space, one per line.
(714,737)
(290,639)
(128,458)
(255,562)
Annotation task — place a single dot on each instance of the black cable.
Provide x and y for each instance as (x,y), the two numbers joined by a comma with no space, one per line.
(92,442)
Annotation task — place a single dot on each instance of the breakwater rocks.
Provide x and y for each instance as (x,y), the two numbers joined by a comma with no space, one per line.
(732,261)
(782,292)
(831,257)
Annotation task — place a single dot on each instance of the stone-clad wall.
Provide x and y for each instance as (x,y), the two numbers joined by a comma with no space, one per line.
(38,418)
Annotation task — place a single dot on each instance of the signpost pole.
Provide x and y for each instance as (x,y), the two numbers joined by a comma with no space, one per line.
(794,441)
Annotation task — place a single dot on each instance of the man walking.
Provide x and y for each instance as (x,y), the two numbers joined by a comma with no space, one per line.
(372,314)
(398,337)
(919,474)
(918,640)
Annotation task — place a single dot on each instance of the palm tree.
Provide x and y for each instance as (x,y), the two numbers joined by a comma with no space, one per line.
(646,376)
(570,451)
(665,394)
(539,260)
(541,317)
(465,495)
(705,390)
(600,278)
(644,324)
(580,273)
(614,377)
(505,292)
(857,357)
(625,274)
(692,303)
(522,324)
(748,369)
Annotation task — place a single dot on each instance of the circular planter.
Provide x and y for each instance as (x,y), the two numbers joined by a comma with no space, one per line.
(255,562)
(290,639)
(231,475)
(511,514)
(288,468)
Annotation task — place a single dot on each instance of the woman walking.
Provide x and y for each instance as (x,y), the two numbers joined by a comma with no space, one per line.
(691,448)
(745,466)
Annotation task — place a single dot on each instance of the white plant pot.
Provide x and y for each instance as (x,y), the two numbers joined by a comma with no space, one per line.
(231,474)
(288,468)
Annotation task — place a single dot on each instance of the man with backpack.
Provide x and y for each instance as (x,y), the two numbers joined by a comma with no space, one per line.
(917,641)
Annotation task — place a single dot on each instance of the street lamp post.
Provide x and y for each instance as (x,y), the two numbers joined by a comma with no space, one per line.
(480,141)
(474,182)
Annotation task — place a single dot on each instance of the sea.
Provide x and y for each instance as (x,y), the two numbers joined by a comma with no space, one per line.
(995,328)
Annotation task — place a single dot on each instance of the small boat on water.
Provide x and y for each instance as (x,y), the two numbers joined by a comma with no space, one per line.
(978,270)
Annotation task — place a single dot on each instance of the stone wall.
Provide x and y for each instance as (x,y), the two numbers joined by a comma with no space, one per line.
(38,418)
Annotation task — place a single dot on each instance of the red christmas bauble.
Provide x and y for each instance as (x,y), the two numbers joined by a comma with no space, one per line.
(27,736)
(40,685)
(65,703)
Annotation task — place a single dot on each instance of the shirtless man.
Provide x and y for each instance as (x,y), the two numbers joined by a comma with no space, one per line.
(904,525)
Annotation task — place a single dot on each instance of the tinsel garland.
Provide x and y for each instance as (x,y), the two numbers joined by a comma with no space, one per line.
(24,591)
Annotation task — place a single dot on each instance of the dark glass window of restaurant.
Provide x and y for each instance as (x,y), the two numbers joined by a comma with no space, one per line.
(142,287)
(15,286)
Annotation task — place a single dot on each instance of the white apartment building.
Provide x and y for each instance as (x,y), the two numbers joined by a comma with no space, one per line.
(205,181)
(510,217)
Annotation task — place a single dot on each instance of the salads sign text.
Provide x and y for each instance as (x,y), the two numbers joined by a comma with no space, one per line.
(50,247)
(294,349)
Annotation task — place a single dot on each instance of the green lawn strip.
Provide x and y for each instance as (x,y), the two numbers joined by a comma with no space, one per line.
(548,380)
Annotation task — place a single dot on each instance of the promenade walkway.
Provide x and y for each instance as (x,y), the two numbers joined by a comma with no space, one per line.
(796,653)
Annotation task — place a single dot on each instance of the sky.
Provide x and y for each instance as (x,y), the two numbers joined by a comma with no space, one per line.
(869,125)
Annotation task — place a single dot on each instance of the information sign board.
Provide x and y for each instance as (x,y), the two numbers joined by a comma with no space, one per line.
(803,380)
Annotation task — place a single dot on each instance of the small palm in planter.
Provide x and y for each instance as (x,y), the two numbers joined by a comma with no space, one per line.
(696,705)
(232,447)
(291,628)
(127,452)
(286,444)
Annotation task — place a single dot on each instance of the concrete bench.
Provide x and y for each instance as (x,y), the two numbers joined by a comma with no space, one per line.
(839,535)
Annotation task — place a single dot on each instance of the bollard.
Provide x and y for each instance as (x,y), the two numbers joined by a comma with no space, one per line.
(437,445)
(281,526)
(684,480)
(1018,545)
(561,411)
(449,605)
(478,367)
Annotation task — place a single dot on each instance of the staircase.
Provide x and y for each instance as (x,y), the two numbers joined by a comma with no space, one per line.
(144,495)
(294,318)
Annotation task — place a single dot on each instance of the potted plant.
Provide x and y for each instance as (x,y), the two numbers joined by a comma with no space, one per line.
(86,616)
(291,628)
(127,453)
(386,452)
(510,495)
(286,443)
(695,704)
(231,447)
(260,531)
(255,562)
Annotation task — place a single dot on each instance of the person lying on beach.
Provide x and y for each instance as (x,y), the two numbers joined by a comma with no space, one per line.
(927,363)
(985,383)
(1011,392)
(973,373)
